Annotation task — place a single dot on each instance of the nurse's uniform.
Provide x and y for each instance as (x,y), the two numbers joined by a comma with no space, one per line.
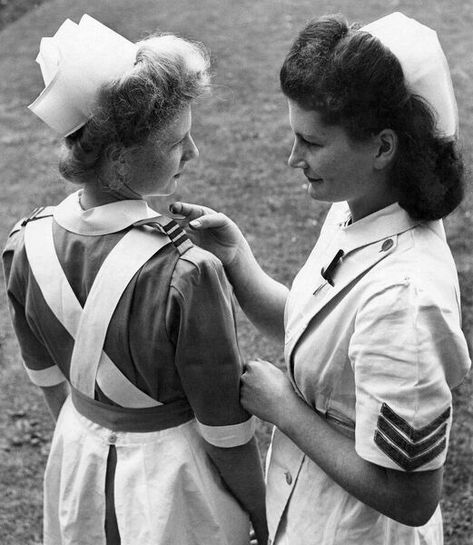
(374,344)
(117,301)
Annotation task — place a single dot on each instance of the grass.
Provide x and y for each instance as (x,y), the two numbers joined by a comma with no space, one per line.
(244,139)
(11,10)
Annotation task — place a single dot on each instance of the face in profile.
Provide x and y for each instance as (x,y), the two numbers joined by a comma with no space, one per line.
(154,167)
(336,167)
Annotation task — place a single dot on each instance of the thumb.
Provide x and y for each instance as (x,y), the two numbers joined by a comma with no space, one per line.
(209,221)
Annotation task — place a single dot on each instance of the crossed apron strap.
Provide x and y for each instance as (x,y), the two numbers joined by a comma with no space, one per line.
(88,326)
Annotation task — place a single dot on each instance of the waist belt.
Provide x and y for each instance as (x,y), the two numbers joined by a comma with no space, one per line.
(168,415)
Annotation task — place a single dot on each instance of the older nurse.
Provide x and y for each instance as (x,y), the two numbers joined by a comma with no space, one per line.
(373,343)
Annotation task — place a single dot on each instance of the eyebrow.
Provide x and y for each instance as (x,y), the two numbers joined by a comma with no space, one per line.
(308,136)
(177,139)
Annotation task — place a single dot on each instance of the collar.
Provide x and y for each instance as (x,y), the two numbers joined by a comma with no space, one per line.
(384,223)
(100,220)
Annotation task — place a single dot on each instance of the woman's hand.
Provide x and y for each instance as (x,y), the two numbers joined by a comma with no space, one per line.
(261,297)
(266,392)
(210,230)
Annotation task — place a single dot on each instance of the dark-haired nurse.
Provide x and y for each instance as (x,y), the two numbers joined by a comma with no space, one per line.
(373,341)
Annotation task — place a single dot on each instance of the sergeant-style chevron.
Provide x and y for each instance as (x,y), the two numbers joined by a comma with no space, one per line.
(410,448)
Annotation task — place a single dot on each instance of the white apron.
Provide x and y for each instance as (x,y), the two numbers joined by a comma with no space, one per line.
(166,491)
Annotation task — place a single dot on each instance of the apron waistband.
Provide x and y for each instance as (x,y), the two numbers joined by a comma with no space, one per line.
(168,415)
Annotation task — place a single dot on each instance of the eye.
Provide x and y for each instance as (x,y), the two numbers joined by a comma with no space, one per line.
(181,142)
(309,144)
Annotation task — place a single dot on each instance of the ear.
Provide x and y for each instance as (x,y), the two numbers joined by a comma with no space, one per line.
(117,159)
(386,149)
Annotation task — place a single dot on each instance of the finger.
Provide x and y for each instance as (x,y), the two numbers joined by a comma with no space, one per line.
(214,220)
(252,364)
(247,367)
(190,211)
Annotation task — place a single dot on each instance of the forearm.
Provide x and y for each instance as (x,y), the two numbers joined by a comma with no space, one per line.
(55,397)
(261,297)
(240,469)
(409,498)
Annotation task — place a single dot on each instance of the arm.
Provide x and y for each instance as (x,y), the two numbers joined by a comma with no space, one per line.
(241,471)
(201,315)
(410,498)
(261,297)
(55,397)
(38,362)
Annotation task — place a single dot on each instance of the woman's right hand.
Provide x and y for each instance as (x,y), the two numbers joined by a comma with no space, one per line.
(210,230)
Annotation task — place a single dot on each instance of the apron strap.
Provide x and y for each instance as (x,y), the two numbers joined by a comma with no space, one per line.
(49,275)
(133,250)
(59,296)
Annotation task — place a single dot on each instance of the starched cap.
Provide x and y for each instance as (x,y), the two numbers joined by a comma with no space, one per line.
(75,63)
(423,62)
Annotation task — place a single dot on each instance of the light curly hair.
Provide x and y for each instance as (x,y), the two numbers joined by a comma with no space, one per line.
(169,73)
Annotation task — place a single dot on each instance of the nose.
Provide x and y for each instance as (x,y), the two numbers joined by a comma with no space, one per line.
(296,158)
(191,151)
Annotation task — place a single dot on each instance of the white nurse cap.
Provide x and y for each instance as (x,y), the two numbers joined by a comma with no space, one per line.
(423,62)
(75,63)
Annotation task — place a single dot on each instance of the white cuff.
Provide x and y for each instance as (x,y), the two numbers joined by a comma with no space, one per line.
(228,436)
(45,377)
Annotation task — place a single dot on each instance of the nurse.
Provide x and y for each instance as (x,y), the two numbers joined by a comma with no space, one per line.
(373,343)
(124,324)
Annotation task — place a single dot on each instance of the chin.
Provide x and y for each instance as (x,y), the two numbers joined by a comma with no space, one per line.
(167,191)
(314,192)
(318,194)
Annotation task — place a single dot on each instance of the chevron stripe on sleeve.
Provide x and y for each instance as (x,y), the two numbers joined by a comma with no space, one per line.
(408,447)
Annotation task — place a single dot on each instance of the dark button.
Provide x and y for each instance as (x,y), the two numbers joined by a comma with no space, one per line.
(112,438)
(288,477)
(387,244)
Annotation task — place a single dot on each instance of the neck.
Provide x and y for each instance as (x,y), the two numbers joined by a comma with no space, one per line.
(360,210)
(96,193)
(382,194)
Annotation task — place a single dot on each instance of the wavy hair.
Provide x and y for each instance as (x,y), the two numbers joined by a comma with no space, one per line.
(351,79)
(168,74)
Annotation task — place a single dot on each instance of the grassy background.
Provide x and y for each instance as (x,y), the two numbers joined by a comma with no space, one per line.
(244,140)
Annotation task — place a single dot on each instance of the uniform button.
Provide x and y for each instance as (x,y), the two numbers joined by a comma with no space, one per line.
(387,244)
(112,438)
(288,477)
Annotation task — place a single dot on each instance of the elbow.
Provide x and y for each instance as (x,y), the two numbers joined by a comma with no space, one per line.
(417,514)
(416,496)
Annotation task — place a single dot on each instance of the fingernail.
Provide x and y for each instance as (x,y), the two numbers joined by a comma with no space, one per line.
(195,224)
(172,208)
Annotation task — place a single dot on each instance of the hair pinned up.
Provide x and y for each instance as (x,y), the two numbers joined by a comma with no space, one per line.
(169,73)
(351,79)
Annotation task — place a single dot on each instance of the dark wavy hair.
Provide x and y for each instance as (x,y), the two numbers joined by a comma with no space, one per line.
(169,73)
(351,79)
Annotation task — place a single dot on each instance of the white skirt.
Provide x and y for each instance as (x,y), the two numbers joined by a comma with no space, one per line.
(167,491)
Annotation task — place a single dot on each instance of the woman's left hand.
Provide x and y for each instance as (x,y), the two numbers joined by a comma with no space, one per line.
(266,391)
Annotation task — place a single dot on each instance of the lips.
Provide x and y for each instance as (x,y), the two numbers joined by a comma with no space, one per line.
(312,179)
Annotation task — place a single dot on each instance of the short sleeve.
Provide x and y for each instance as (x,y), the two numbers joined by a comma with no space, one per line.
(207,357)
(403,348)
(38,363)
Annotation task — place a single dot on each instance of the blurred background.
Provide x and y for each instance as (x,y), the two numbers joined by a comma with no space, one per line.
(244,140)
